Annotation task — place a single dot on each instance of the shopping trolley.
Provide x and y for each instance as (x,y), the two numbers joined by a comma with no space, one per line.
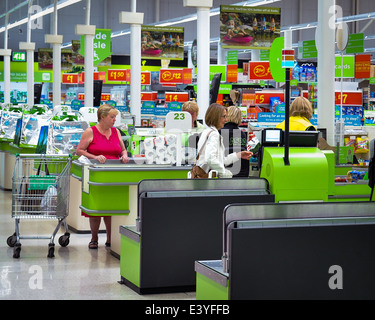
(40,190)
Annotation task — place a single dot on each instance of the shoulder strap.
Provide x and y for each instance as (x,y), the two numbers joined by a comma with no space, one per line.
(203,145)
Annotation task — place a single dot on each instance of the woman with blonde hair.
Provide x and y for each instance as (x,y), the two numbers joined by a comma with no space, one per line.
(235,140)
(102,142)
(300,113)
(192,108)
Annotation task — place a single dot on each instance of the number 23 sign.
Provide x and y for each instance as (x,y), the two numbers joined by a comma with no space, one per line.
(178,121)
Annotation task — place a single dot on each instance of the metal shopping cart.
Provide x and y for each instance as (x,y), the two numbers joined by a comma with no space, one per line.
(40,190)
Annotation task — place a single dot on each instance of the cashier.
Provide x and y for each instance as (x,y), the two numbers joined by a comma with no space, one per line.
(102,142)
(300,113)
(192,108)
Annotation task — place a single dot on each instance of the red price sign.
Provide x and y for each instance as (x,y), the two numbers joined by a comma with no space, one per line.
(70,78)
(147,96)
(146,78)
(176,96)
(264,97)
(349,98)
(260,70)
(117,75)
(175,76)
(105,97)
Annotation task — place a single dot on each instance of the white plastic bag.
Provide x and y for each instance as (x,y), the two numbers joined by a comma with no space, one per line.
(49,200)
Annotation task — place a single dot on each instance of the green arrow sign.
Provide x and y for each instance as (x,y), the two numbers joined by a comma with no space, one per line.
(102,45)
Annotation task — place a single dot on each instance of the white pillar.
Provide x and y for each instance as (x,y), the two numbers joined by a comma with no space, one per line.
(29,47)
(255,55)
(56,41)
(203,59)
(6,54)
(203,52)
(135,19)
(220,54)
(89,32)
(325,40)
(89,70)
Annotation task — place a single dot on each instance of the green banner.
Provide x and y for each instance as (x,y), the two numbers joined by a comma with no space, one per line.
(356,43)
(348,66)
(102,45)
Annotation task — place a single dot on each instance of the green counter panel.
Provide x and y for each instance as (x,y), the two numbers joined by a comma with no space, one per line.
(105,197)
(207,289)
(4,144)
(131,266)
(23,148)
(305,179)
(134,176)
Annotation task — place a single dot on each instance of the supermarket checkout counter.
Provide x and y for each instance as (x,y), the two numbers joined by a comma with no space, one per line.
(292,251)
(110,189)
(310,173)
(178,222)
(8,151)
(6,165)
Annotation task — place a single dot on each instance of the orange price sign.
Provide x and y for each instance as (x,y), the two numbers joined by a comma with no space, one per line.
(70,78)
(176,96)
(116,75)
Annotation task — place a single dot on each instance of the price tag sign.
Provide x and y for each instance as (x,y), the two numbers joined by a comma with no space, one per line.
(264,97)
(70,78)
(176,96)
(353,98)
(116,75)
(146,78)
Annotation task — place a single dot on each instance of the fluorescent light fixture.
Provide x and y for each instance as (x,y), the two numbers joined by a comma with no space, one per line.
(48,10)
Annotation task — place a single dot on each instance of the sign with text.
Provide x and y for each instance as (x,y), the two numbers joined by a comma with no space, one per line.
(362,66)
(248,27)
(102,45)
(260,70)
(349,98)
(70,78)
(347,65)
(265,97)
(232,72)
(176,96)
(116,75)
(171,76)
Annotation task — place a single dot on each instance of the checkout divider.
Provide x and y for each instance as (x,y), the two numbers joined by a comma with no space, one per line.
(178,222)
(293,251)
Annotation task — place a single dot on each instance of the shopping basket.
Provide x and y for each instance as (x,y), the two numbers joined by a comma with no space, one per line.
(40,190)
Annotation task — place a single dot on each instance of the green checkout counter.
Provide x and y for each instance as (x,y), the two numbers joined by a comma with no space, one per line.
(310,175)
(110,189)
(292,251)
(300,247)
(8,151)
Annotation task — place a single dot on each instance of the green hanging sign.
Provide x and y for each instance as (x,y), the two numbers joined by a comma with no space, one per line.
(102,45)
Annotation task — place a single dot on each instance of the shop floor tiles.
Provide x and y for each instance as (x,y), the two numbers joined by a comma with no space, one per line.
(75,272)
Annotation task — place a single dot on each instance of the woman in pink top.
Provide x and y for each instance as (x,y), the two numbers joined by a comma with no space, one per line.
(102,142)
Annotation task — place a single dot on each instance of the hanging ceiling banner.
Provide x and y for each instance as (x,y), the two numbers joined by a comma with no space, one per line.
(162,42)
(249,27)
(102,45)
